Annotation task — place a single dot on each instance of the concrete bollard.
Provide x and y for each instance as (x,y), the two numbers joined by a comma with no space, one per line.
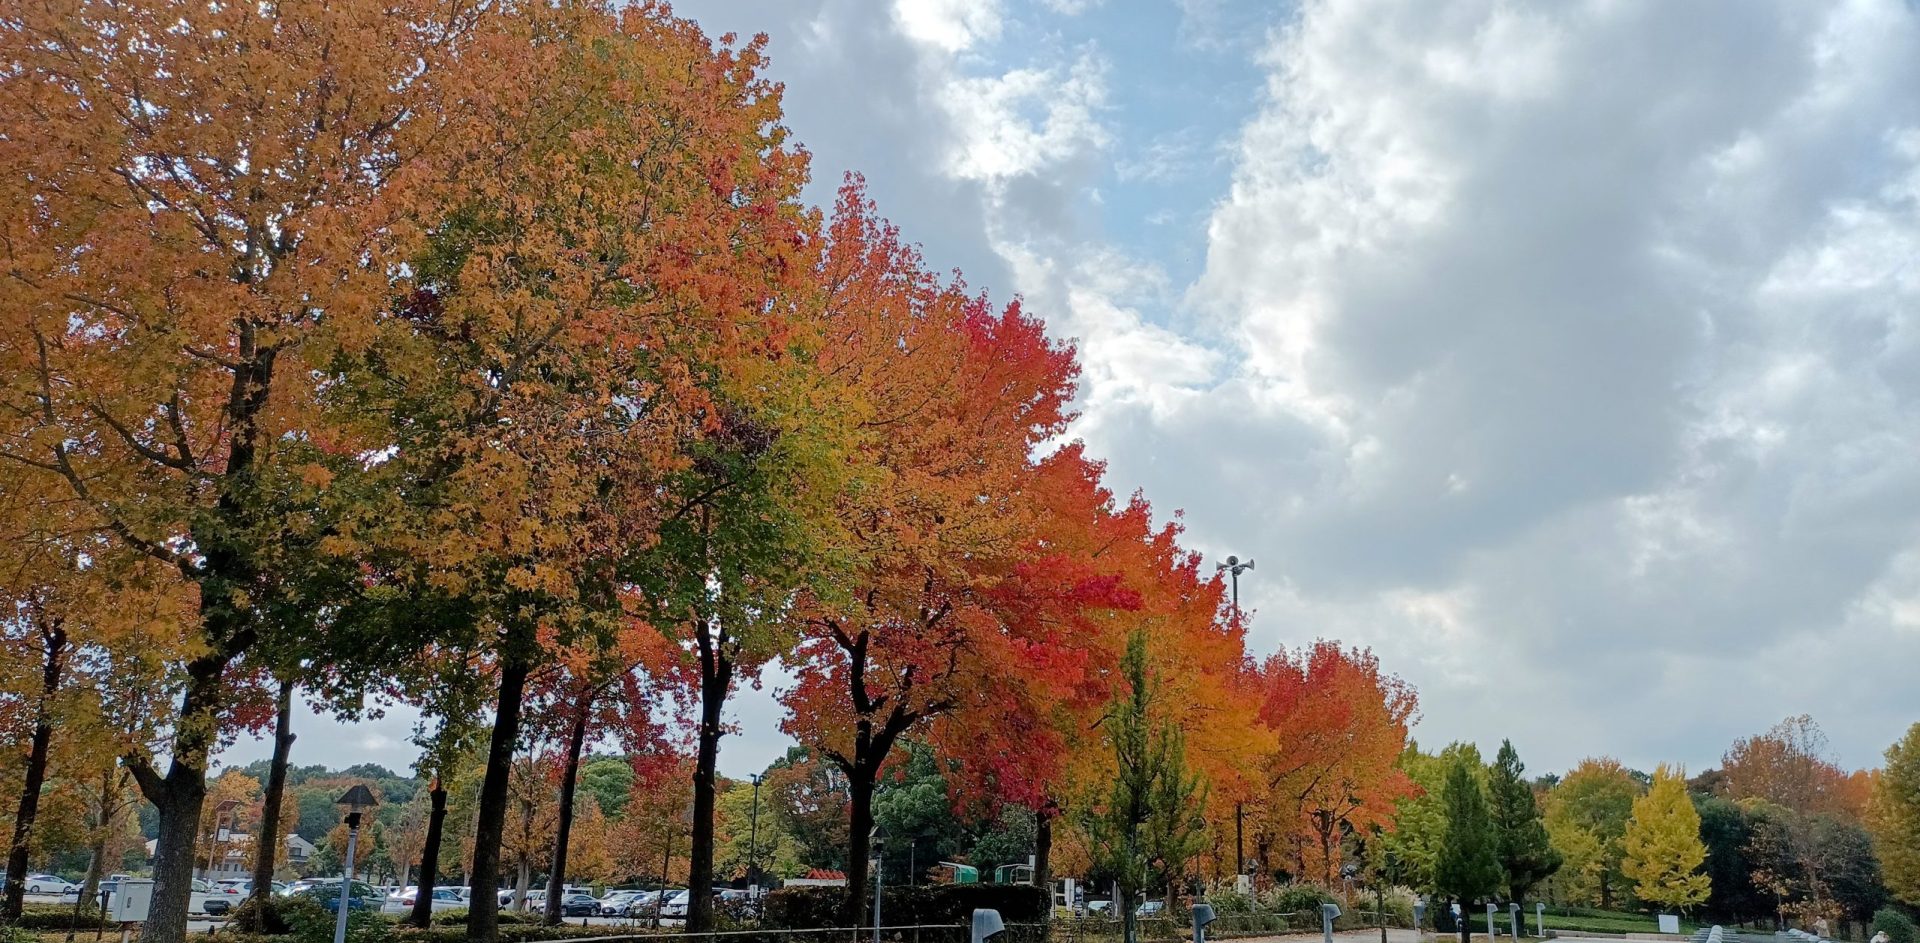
(1540,920)
(1513,915)
(1493,929)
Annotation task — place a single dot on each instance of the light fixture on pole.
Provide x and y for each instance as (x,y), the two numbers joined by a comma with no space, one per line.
(1233,568)
(879,836)
(357,802)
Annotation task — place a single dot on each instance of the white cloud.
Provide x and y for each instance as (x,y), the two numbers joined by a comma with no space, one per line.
(951,25)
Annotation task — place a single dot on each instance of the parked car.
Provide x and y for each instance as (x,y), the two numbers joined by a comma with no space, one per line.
(362,896)
(675,906)
(1099,908)
(1151,908)
(640,904)
(535,899)
(579,905)
(612,904)
(49,884)
(444,898)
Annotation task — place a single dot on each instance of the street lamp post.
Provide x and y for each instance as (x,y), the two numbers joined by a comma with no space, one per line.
(879,868)
(753,839)
(1233,568)
(357,802)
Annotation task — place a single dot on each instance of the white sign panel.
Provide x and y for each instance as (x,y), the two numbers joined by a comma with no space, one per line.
(1669,923)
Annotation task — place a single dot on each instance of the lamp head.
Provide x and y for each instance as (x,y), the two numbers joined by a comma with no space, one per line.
(357,799)
(1202,914)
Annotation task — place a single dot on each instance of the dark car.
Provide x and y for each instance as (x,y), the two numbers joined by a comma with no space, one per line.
(579,905)
(362,897)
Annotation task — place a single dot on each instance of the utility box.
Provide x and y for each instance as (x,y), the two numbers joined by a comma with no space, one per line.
(130,902)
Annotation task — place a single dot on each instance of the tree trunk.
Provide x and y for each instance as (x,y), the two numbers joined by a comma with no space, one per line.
(53,636)
(563,829)
(716,678)
(1043,852)
(178,797)
(267,844)
(422,915)
(859,828)
(1466,920)
(483,913)
(521,884)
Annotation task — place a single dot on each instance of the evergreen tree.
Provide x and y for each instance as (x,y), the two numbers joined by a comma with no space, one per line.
(1664,851)
(1896,817)
(1468,868)
(1526,854)
(1149,824)
(1176,823)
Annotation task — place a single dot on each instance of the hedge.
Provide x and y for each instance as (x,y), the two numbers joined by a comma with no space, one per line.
(813,908)
(60,917)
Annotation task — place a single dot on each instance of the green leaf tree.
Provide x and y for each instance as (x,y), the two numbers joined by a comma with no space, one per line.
(1896,817)
(1663,848)
(1468,867)
(1527,854)
(1150,824)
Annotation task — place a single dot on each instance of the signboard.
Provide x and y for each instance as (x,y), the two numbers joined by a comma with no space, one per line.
(1669,923)
(130,902)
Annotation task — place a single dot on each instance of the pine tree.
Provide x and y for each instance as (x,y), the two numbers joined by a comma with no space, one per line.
(1176,824)
(1896,817)
(1469,865)
(1527,855)
(1663,846)
(1151,815)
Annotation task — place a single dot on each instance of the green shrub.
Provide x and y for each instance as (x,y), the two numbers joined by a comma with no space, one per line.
(506,918)
(1898,927)
(278,914)
(58,917)
(314,924)
(1227,899)
(1296,898)
(813,908)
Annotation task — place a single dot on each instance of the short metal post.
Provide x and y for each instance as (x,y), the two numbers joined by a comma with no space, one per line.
(1493,929)
(1540,920)
(1513,913)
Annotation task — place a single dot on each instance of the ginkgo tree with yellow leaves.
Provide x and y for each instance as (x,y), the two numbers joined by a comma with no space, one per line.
(1663,847)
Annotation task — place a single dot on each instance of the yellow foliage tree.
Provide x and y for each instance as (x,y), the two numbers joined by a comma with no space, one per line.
(1663,846)
(1895,817)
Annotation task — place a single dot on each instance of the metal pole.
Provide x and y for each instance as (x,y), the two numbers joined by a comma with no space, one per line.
(753,837)
(879,867)
(346,879)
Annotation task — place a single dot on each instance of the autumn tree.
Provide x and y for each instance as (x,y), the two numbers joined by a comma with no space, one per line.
(1896,817)
(1662,844)
(1468,866)
(1587,817)
(1526,853)
(1788,766)
(909,636)
(177,263)
(1341,726)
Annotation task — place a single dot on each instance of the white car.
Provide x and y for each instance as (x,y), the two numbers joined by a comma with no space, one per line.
(676,905)
(444,898)
(50,884)
(611,904)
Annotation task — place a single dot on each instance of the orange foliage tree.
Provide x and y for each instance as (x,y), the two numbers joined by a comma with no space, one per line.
(1341,725)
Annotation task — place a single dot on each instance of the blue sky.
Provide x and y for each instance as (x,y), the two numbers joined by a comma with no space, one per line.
(1566,354)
